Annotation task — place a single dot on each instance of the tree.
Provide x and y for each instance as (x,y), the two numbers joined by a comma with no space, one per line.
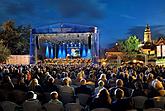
(24,39)
(4,52)
(130,45)
(9,35)
(15,38)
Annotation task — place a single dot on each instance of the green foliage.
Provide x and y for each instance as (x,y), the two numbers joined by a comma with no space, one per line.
(4,52)
(15,38)
(130,45)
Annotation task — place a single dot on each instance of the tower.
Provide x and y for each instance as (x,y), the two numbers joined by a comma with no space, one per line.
(147,34)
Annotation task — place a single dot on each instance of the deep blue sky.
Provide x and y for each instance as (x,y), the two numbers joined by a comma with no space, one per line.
(116,19)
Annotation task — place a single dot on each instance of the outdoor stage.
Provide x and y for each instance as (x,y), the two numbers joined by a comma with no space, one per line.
(70,43)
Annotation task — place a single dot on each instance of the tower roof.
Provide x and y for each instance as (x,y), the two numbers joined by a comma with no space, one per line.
(147,29)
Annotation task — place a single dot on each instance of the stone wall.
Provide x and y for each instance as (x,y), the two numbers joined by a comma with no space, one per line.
(18,59)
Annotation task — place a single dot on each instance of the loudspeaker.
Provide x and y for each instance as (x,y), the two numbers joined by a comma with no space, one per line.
(37,44)
(89,41)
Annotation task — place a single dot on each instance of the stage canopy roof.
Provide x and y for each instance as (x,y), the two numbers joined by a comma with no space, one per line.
(63,28)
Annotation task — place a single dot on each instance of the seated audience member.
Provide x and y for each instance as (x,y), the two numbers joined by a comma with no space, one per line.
(21,85)
(100,86)
(66,75)
(50,85)
(112,80)
(66,92)
(120,104)
(102,100)
(35,86)
(157,89)
(31,103)
(103,78)
(54,103)
(119,84)
(138,91)
(66,87)
(54,98)
(83,88)
(7,84)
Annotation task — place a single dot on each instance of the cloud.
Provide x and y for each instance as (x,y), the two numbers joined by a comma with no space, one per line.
(156,31)
(127,16)
(18,7)
(79,8)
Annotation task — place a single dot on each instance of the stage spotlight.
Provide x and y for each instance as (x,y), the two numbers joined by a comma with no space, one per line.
(47,51)
(51,53)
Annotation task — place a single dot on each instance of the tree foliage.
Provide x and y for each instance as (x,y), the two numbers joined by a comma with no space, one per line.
(4,52)
(130,45)
(15,38)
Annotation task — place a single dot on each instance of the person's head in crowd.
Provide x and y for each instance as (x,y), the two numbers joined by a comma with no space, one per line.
(83,82)
(119,83)
(6,71)
(50,80)
(47,74)
(54,95)
(160,78)
(138,85)
(121,75)
(119,93)
(150,76)
(101,83)
(66,81)
(104,95)
(31,95)
(33,83)
(157,85)
(103,77)
(113,75)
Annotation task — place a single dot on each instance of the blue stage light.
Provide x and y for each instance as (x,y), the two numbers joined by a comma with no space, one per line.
(47,51)
(51,53)
(84,51)
(60,52)
(89,53)
(63,52)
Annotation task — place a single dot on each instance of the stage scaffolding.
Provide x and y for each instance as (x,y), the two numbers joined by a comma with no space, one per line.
(63,28)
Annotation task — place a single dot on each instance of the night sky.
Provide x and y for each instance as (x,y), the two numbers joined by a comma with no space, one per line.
(116,19)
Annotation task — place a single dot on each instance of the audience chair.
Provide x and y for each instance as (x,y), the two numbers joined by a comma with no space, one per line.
(8,106)
(83,98)
(67,98)
(53,107)
(31,106)
(153,109)
(101,109)
(73,107)
(159,102)
(139,101)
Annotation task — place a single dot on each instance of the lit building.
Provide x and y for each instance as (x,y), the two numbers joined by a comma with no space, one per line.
(148,47)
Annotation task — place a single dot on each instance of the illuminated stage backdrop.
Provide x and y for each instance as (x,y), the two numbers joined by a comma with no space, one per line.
(64,40)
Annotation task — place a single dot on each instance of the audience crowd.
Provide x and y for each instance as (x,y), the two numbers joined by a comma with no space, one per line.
(48,87)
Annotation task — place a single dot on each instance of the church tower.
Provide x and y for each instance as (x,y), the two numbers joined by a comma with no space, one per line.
(147,34)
